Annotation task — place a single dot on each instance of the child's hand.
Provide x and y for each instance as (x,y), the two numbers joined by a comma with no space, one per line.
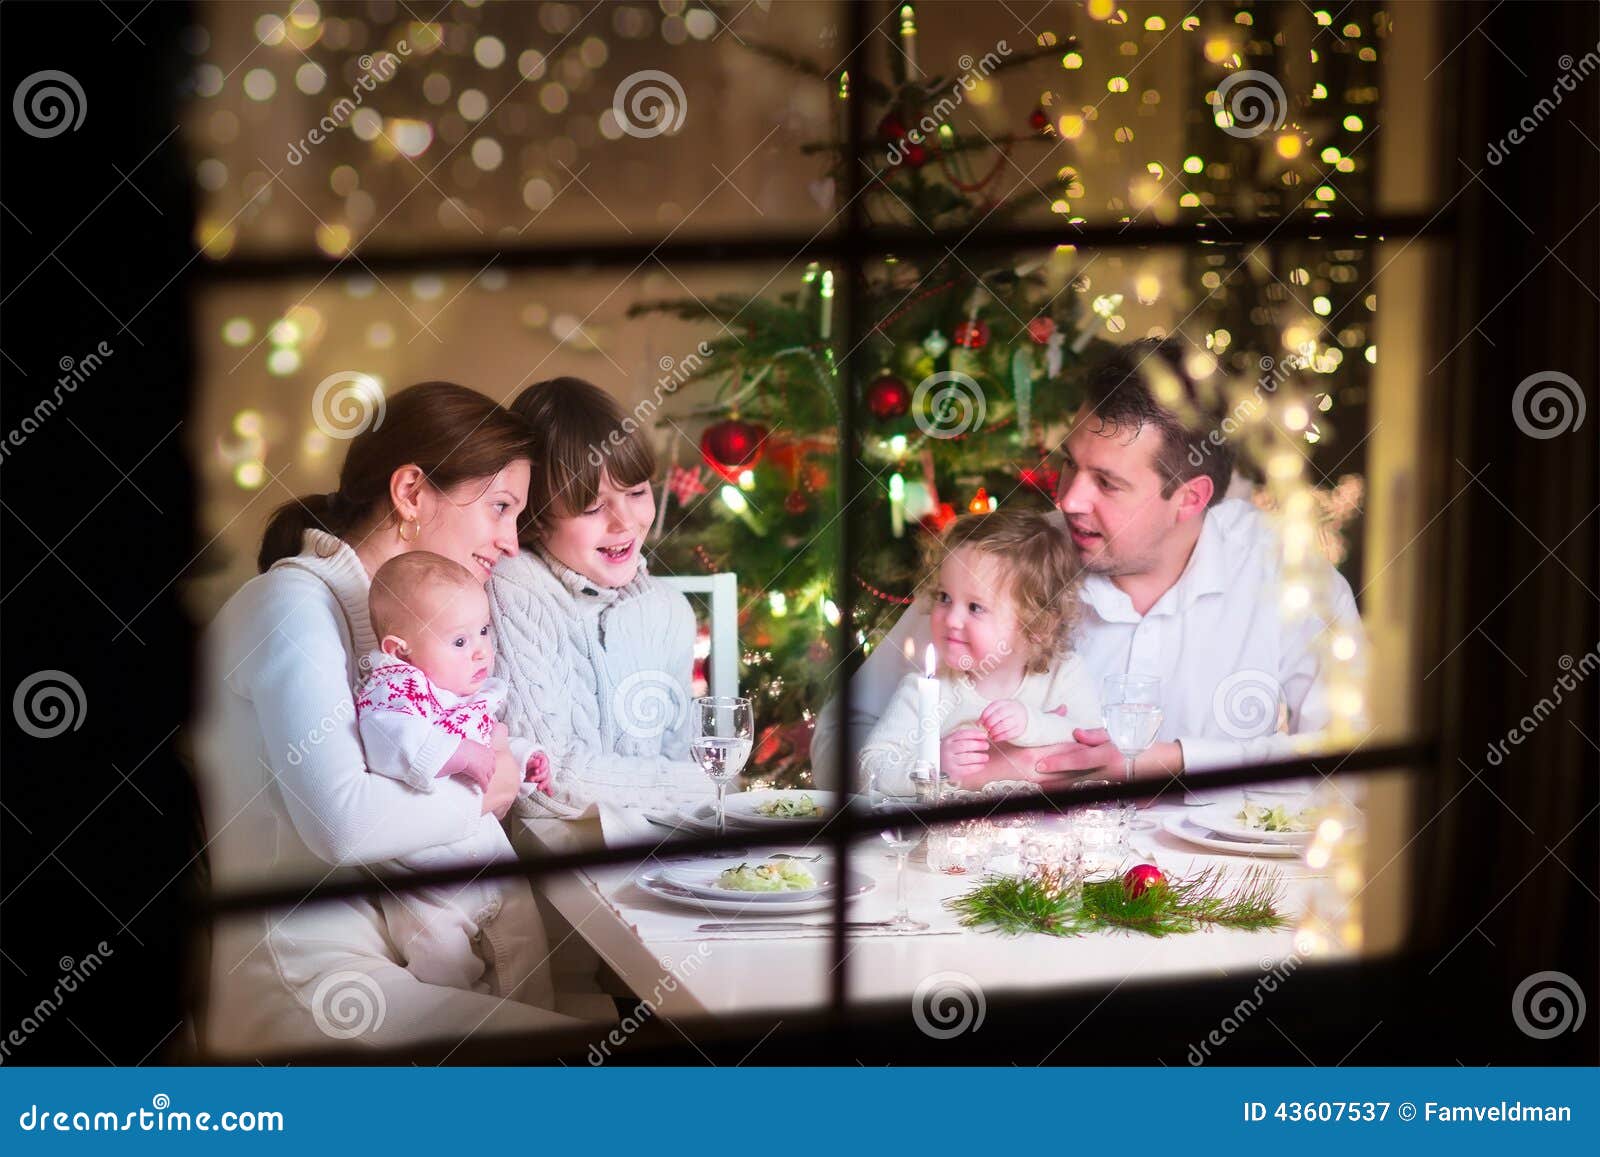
(1004,720)
(538,771)
(964,752)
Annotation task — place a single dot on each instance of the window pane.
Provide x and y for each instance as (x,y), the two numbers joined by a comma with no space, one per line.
(378,127)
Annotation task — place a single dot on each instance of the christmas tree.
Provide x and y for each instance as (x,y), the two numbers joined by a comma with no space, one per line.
(991,352)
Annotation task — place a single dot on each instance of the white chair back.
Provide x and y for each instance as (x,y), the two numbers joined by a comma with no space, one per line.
(723,593)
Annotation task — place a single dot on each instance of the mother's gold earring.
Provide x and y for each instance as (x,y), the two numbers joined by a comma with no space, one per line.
(416,529)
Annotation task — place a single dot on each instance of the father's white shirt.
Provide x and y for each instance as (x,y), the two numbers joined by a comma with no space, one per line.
(1225,652)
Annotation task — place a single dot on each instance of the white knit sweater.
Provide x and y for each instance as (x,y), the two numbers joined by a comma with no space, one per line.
(599,681)
(287,793)
(283,774)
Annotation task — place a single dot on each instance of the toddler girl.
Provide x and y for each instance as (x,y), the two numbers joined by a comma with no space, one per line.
(1004,602)
(427,710)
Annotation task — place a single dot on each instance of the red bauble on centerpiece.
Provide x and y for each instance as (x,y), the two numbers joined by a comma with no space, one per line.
(888,397)
(1039,120)
(1040,329)
(890,129)
(731,446)
(1140,878)
(971,335)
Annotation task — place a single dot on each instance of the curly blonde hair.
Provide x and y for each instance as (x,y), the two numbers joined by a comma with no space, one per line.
(1041,569)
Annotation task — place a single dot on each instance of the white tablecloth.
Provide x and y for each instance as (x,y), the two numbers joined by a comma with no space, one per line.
(656,947)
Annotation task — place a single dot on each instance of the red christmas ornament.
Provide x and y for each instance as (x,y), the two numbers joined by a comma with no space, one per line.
(888,397)
(1039,120)
(1044,481)
(795,503)
(916,156)
(731,446)
(890,129)
(1040,329)
(685,485)
(1138,879)
(935,521)
(972,335)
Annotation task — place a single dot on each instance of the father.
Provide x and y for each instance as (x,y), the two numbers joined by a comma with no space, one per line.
(1183,584)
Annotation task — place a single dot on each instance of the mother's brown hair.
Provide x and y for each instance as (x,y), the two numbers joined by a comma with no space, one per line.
(451,433)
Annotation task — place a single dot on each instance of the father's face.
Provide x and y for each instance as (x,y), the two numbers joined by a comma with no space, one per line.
(1110,493)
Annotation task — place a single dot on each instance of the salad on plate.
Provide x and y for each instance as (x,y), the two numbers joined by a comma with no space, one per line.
(774,876)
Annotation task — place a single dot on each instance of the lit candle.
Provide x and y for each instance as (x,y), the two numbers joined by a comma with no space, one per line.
(908,41)
(928,711)
(897,505)
(844,106)
(827,303)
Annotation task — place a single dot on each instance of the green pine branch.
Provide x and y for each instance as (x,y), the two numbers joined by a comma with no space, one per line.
(1013,905)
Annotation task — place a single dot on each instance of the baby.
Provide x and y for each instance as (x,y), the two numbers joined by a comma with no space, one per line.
(427,711)
(1004,604)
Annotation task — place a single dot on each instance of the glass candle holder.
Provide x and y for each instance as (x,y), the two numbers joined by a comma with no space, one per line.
(1053,852)
(1102,830)
(960,848)
(1009,830)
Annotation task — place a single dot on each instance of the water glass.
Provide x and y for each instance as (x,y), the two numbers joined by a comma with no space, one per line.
(724,732)
(901,834)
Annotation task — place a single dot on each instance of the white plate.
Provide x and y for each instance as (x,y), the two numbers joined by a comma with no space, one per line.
(701,879)
(741,808)
(1223,819)
(1187,830)
(652,883)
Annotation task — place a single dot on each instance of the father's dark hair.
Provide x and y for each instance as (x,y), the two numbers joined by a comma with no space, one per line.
(1118,394)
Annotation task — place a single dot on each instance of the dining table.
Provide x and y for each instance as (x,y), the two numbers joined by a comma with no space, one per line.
(670,955)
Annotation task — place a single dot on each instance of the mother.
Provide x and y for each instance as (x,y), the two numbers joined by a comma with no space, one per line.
(286,791)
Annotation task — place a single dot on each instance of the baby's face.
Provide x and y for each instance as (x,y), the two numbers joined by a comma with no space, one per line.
(975,624)
(449,637)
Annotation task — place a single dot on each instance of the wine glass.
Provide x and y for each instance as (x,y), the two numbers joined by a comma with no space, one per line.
(1132,707)
(901,835)
(723,734)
